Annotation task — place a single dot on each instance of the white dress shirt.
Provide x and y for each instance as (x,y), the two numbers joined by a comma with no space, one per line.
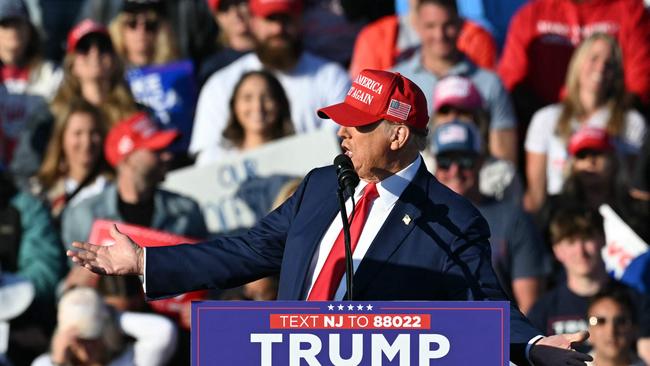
(389,191)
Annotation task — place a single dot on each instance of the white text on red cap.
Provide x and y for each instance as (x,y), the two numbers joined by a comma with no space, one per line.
(368,83)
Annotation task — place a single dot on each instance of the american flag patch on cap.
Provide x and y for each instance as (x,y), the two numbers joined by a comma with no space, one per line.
(398,109)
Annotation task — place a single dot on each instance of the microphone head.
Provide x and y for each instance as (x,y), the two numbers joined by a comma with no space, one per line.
(342,160)
(345,173)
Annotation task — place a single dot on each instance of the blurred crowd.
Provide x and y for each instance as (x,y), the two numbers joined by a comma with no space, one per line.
(538,110)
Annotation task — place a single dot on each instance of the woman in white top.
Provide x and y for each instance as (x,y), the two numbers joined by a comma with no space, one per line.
(259,113)
(74,166)
(595,98)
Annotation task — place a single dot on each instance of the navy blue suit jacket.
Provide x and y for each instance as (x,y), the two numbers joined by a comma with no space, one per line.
(443,253)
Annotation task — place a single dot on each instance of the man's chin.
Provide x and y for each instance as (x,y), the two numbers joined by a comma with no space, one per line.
(281,56)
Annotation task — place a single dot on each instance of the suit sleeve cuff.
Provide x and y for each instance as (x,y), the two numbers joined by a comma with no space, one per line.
(529,346)
(144,272)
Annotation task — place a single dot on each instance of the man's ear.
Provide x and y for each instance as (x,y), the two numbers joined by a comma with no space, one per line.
(399,137)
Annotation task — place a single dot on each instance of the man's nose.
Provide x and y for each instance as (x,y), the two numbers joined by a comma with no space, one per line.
(342,132)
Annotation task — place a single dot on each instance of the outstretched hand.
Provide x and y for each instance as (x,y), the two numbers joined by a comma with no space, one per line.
(124,257)
(557,350)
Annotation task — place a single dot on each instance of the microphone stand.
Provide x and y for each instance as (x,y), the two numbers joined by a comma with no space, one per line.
(346,240)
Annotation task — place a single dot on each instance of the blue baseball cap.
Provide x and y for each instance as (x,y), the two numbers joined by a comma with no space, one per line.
(13,9)
(456,136)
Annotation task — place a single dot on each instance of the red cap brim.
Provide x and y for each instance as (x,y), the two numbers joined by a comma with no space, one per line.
(160,140)
(346,115)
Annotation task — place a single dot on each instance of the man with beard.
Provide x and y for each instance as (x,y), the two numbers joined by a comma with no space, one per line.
(135,148)
(309,81)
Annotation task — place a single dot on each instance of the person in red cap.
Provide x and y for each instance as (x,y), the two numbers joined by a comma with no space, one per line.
(407,228)
(135,147)
(235,36)
(594,179)
(309,81)
(595,97)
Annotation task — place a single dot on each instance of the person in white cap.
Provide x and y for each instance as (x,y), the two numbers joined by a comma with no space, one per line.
(89,332)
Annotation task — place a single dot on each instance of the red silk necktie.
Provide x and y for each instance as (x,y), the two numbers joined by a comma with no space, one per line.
(330,275)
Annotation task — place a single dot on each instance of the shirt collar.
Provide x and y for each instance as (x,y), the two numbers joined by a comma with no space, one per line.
(463,67)
(392,187)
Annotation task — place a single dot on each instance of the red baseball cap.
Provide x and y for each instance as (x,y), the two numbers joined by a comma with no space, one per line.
(589,138)
(86,27)
(376,95)
(264,8)
(213,4)
(136,132)
(457,91)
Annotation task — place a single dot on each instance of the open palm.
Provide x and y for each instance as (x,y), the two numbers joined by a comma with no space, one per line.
(124,257)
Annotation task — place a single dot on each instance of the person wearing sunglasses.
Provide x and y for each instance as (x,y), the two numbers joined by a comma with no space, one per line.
(142,35)
(593,178)
(457,98)
(613,326)
(518,255)
(92,71)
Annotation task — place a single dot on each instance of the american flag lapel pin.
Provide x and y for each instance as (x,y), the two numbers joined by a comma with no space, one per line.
(406,219)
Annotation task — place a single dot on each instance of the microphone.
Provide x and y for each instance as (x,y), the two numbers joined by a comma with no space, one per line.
(348,180)
(345,174)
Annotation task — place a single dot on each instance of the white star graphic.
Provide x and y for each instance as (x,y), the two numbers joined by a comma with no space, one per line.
(330,307)
(369,307)
(359,307)
(341,307)
(350,307)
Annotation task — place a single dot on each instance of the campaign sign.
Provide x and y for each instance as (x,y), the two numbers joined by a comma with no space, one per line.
(171,92)
(238,191)
(350,333)
(623,244)
(147,237)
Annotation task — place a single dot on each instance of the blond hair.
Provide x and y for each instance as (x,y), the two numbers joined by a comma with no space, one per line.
(119,102)
(165,48)
(614,95)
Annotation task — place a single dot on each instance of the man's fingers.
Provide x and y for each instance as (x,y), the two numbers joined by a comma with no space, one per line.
(577,337)
(87,256)
(86,246)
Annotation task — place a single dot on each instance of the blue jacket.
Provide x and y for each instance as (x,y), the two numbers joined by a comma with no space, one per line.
(172,213)
(443,253)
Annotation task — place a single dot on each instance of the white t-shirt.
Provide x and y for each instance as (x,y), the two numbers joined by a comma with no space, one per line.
(542,139)
(314,83)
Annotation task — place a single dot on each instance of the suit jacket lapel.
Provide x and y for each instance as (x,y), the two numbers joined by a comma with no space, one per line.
(401,220)
(319,221)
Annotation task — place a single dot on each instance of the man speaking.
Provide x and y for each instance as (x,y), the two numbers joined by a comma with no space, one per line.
(412,238)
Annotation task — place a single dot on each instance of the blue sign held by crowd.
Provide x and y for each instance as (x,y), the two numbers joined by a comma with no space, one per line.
(171,92)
